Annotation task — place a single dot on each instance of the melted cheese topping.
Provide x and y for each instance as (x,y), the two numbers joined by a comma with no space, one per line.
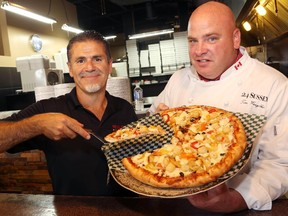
(201,139)
(139,130)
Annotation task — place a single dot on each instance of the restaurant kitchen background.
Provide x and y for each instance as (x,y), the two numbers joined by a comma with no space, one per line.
(27,172)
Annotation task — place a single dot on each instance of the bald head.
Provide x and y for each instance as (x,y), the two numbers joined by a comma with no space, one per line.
(214,11)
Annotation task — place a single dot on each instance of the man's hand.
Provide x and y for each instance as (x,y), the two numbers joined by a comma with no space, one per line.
(219,199)
(57,126)
(161,107)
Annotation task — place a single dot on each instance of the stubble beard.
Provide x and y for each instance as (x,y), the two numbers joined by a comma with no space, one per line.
(93,88)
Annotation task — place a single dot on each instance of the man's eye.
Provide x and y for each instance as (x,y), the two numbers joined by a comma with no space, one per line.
(97,59)
(212,39)
(192,41)
(80,61)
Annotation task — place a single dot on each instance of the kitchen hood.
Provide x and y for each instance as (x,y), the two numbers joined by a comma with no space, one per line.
(264,28)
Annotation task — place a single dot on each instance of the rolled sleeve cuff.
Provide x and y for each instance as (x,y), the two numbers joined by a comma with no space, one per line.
(255,196)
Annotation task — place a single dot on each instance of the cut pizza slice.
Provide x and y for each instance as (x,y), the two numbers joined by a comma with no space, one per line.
(139,130)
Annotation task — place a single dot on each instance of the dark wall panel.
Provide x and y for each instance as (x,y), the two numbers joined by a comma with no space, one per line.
(277,53)
(10,81)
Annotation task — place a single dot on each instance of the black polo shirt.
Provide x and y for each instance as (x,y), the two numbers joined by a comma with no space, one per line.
(78,166)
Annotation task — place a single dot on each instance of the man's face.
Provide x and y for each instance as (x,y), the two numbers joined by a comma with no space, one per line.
(213,42)
(89,66)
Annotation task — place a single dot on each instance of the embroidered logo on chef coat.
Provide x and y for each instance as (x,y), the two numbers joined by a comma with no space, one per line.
(255,96)
(256,100)
(239,64)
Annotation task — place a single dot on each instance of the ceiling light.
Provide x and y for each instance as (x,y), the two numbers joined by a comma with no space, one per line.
(247,26)
(150,34)
(110,37)
(261,10)
(68,28)
(24,12)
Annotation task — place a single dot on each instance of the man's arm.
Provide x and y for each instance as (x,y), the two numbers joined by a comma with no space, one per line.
(219,199)
(55,126)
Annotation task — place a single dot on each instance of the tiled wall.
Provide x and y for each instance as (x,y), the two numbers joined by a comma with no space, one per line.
(24,173)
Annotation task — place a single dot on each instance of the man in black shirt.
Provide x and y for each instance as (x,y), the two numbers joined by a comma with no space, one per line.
(76,164)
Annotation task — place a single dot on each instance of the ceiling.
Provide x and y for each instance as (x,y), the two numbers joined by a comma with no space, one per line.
(136,16)
(265,28)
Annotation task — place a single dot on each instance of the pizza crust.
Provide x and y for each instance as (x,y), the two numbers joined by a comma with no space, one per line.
(146,177)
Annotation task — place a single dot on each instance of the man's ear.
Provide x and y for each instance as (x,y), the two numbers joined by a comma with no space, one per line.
(110,66)
(70,70)
(237,38)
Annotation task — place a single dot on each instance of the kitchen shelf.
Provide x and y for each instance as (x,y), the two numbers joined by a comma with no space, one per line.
(154,87)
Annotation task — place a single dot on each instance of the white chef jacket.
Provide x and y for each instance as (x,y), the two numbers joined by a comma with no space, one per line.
(248,86)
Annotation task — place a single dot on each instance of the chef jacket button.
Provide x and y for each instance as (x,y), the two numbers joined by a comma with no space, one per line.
(226,104)
(190,100)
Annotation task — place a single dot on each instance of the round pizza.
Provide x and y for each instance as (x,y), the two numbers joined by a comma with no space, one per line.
(206,143)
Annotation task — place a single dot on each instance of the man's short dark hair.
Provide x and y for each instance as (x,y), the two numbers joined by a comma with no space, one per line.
(89,35)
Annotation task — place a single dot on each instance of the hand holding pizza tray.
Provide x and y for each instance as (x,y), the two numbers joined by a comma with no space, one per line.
(182,127)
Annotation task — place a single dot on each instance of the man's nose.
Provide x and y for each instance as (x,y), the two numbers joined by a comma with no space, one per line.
(200,48)
(89,65)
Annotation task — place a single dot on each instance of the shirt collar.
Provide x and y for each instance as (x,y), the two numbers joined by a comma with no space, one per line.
(111,106)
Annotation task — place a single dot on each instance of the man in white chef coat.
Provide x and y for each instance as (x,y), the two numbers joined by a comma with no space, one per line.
(225,76)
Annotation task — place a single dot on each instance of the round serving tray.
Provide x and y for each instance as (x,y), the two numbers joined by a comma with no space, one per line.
(127,181)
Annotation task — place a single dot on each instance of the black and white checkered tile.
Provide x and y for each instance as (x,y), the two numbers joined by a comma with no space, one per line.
(252,124)
(116,151)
